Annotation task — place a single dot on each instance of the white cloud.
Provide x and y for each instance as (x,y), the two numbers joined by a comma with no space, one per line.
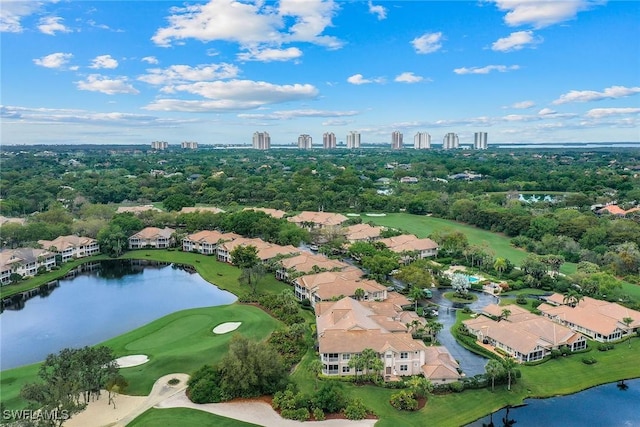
(177,74)
(613,92)
(541,14)
(336,122)
(290,114)
(251,24)
(269,55)
(12,12)
(546,112)
(150,60)
(233,95)
(104,61)
(523,105)
(597,113)
(103,84)
(55,60)
(516,41)
(377,10)
(358,79)
(408,77)
(52,24)
(486,70)
(428,43)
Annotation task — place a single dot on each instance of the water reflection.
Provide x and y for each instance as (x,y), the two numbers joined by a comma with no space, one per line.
(98,302)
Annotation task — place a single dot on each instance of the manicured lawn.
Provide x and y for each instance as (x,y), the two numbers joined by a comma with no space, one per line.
(180,342)
(34,282)
(422,226)
(184,417)
(223,275)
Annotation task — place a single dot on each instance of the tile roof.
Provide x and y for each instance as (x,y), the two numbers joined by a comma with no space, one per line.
(408,242)
(305,261)
(320,218)
(9,257)
(137,209)
(358,232)
(191,209)
(276,213)
(65,242)
(154,233)
(211,236)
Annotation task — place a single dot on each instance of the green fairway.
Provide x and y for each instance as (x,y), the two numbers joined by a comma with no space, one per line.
(178,343)
(185,418)
(422,226)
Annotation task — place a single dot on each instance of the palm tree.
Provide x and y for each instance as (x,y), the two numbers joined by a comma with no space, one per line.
(500,265)
(359,294)
(509,365)
(572,297)
(416,294)
(628,321)
(493,369)
(505,314)
(434,327)
(315,367)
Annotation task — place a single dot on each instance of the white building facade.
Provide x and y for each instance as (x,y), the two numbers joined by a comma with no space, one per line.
(480,141)
(261,141)
(451,141)
(422,141)
(329,140)
(396,140)
(353,140)
(305,142)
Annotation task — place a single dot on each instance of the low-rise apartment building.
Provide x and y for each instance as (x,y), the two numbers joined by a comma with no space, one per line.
(206,242)
(72,247)
(408,243)
(25,262)
(153,237)
(310,220)
(306,263)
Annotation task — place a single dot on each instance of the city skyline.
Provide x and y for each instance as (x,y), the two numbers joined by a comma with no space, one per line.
(82,72)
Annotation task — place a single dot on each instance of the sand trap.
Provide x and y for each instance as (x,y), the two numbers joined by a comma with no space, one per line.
(376,214)
(353,214)
(133,360)
(224,328)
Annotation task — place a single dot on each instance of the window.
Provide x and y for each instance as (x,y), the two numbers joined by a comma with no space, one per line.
(389,355)
(346,369)
(404,355)
(333,369)
(404,368)
(346,356)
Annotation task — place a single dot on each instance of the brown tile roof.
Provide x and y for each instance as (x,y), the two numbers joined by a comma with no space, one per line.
(8,220)
(9,257)
(211,236)
(276,213)
(354,341)
(362,232)
(65,242)
(154,233)
(408,242)
(320,218)
(266,250)
(137,209)
(328,285)
(439,364)
(191,209)
(305,261)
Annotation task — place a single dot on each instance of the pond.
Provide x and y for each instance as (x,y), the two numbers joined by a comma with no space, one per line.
(608,405)
(112,298)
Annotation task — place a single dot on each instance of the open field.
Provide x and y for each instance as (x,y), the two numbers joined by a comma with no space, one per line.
(180,342)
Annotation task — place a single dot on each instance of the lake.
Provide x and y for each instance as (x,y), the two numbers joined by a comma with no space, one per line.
(606,405)
(114,298)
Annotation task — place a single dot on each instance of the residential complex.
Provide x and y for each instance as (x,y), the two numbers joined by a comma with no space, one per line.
(152,237)
(396,140)
(353,140)
(410,244)
(310,219)
(347,327)
(451,141)
(71,247)
(305,142)
(206,242)
(261,141)
(329,140)
(422,141)
(480,141)
(25,262)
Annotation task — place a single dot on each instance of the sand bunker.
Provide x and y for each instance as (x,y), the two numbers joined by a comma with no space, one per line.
(133,360)
(223,328)
(376,214)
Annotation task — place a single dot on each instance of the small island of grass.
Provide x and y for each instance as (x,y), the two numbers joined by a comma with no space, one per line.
(460,298)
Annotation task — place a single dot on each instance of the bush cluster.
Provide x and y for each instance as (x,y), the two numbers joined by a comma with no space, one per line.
(330,398)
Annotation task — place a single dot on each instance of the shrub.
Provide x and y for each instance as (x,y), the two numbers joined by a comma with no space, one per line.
(521,299)
(404,400)
(301,414)
(330,398)
(588,360)
(318,414)
(555,354)
(605,347)
(355,410)
(456,387)
(173,381)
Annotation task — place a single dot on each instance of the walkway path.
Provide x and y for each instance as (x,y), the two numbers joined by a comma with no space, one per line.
(100,414)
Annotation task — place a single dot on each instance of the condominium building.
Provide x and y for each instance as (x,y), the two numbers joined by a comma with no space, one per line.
(353,139)
(422,141)
(480,141)
(396,140)
(305,142)
(159,145)
(329,140)
(451,141)
(261,141)
(189,145)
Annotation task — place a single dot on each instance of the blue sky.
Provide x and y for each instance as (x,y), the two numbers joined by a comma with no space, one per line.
(130,72)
